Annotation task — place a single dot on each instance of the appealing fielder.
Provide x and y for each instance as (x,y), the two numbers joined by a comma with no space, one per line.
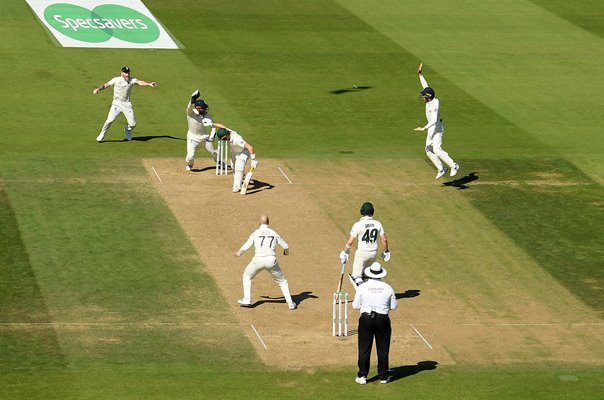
(265,241)
(122,86)
(366,230)
(435,128)
(240,152)
(199,120)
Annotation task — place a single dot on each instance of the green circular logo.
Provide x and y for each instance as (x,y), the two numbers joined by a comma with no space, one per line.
(102,23)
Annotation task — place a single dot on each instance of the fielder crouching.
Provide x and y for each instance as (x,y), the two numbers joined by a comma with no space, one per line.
(240,152)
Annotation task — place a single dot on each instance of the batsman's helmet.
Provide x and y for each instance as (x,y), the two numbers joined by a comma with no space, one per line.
(202,104)
(221,133)
(427,94)
(367,209)
(126,69)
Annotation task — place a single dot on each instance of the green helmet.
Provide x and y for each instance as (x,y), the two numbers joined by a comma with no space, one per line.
(367,209)
(221,133)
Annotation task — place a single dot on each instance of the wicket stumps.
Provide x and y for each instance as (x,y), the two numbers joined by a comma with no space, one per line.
(340,299)
(222,158)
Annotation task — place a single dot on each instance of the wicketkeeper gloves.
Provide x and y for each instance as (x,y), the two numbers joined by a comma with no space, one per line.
(195,95)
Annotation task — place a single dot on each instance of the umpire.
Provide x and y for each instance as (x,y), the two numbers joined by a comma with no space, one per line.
(374,299)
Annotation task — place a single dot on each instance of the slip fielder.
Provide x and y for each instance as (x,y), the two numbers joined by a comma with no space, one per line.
(122,86)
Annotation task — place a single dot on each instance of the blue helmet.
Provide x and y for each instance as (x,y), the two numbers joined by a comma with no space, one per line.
(202,104)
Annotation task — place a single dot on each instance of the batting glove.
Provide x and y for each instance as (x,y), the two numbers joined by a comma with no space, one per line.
(254,163)
(386,255)
(343,257)
(195,95)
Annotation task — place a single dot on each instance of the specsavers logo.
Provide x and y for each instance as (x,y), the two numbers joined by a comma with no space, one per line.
(94,23)
(101,23)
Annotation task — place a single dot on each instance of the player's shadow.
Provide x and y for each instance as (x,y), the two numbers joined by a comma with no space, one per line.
(297,298)
(348,90)
(461,183)
(257,186)
(408,294)
(405,371)
(148,138)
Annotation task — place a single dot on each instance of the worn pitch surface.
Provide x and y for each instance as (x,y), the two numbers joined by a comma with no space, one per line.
(467,293)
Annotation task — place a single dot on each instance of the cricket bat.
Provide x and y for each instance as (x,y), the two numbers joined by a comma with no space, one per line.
(341,277)
(246,181)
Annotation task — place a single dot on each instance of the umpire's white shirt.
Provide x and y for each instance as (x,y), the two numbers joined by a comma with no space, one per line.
(122,88)
(374,295)
(265,241)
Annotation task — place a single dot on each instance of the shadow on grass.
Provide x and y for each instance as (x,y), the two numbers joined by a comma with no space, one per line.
(142,139)
(405,371)
(461,183)
(407,294)
(348,90)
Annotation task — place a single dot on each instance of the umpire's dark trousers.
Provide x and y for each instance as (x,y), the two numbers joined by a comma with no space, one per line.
(380,328)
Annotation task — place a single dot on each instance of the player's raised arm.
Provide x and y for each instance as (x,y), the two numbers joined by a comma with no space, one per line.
(422,80)
(140,82)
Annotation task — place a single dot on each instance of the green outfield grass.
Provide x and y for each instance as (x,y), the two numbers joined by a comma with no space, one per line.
(103,296)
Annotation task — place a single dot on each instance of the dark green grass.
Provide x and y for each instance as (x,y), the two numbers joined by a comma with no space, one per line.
(554,212)
(82,245)
(184,382)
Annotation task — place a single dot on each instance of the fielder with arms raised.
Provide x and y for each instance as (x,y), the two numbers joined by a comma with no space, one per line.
(199,121)
(367,230)
(122,86)
(435,128)
(240,151)
(265,241)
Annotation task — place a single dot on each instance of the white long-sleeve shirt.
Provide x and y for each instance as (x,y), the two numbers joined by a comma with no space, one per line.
(265,241)
(435,122)
(375,295)
(198,123)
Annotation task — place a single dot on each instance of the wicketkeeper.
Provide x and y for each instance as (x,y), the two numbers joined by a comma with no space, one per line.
(199,121)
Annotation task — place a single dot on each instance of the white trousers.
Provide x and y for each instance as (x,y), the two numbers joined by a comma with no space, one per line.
(117,108)
(271,264)
(362,260)
(239,161)
(193,144)
(435,152)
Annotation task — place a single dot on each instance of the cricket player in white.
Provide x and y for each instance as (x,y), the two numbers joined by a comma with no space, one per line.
(265,241)
(122,86)
(366,230)
(435,128)
(199,120)
(240,152)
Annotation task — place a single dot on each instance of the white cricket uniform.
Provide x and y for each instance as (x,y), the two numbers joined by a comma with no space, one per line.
(265,241)
(435,129)
(367,231)
(198,133)
(120,104)
(239,156)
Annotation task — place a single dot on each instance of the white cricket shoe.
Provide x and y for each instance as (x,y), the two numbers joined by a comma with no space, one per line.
(189,168)
(244,303)
(236,189)
(454,170)
(292,306)
(441,173)
(385,381)
(100,137)
(361,380)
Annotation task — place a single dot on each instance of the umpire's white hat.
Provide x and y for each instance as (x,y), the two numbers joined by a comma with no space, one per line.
(375,271)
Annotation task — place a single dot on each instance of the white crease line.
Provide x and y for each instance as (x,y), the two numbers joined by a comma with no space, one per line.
(259,337)
(285,175)
(156,174)
(420,335)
